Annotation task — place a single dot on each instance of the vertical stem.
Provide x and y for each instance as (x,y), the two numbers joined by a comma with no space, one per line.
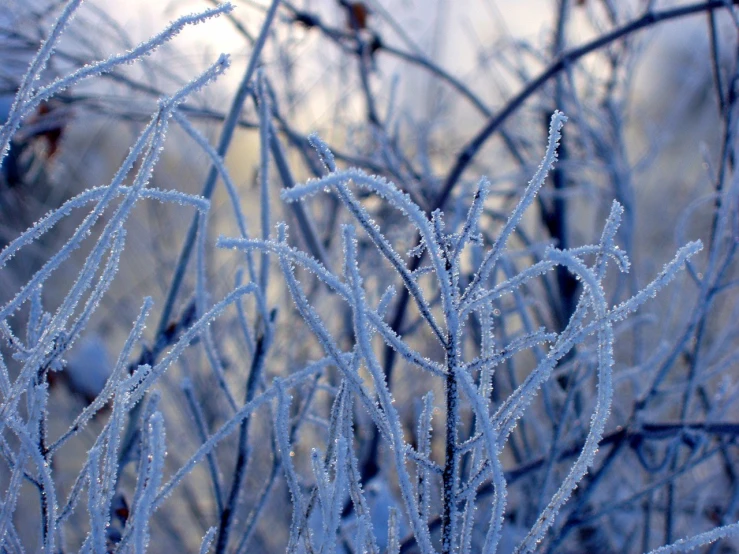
(242,456)
(449,477)
(557,220)
(450,457)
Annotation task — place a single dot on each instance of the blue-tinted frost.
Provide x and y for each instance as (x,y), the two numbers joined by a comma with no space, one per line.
(429,485)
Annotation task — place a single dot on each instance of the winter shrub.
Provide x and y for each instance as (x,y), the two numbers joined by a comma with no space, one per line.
(402,368)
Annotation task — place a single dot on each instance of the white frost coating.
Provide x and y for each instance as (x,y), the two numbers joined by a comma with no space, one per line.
(387,476)
(690,544)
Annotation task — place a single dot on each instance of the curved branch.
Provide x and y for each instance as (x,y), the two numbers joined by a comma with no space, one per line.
(565,60)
